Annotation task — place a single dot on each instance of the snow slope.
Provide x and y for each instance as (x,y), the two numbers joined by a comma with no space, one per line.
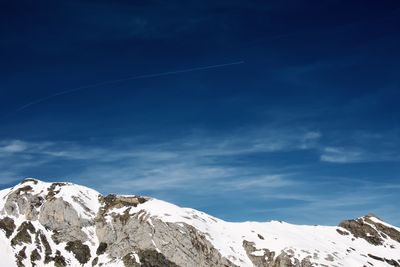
(304,240)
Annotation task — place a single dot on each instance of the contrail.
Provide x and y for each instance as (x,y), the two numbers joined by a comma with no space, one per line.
(145,76)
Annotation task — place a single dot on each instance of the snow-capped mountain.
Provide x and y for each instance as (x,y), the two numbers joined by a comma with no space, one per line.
(62,224)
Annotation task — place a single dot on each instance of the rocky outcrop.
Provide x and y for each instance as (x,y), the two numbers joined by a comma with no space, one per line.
(266,258)
(384,230)
(370,230)
(360,229)
(149,258)
(80,251)
(7,225)
(113,201)
(21,201)
(59,216)
(183,244)
(23,234)
(132,237)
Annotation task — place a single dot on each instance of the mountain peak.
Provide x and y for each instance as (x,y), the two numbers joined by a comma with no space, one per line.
(30,179)
(64,224)
(372,215)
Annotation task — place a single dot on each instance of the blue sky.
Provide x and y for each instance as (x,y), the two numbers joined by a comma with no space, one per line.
(305,129)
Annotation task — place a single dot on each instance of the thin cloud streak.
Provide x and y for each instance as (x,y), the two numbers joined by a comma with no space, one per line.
(341,155)
(136,77)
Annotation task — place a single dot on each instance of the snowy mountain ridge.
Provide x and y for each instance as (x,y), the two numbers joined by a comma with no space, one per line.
(63,224)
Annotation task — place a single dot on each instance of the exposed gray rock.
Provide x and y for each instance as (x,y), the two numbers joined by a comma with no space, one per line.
(258,261)
(151,258)
(113,201)
(7,224)
(59,216)
(360,229)
(47,248)
(23,235)
(21,201)
(80,251)
(368,229)
(268,259)
(101,249)
(59,260)
(183,246)
(35,256)
(130,261)
(20,257)
(383,229)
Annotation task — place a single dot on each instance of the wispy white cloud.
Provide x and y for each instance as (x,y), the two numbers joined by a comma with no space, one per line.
(16,146)
(183,163)
(13,146)
(341,155)
(203,165)
(260,182)
(175,163)
(157,166)
(348,198)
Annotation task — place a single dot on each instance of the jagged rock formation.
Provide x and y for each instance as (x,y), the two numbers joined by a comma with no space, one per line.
(61,224)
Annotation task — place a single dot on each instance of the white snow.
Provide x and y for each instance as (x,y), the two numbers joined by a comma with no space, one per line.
(6,254)
(303,240)
(384,223)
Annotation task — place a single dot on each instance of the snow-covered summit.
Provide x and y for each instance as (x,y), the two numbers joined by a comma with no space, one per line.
(83,199)
(63,224)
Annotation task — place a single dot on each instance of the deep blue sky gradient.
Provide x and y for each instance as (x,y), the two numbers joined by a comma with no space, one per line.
(306,130)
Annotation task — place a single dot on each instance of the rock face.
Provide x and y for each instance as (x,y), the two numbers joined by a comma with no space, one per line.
(266,258)
(371,229)
(62,224)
